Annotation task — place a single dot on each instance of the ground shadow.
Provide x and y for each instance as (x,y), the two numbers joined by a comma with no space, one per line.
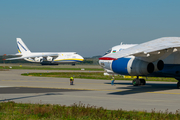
(16,98)
(24,90)
(149,87)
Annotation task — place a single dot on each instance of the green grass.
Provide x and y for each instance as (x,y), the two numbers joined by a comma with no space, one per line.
(19,111)
(49,68)
(93,75)
(89,75)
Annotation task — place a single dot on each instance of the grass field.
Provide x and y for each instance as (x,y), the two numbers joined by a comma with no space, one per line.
(19,111)
(93,75)
(89,75)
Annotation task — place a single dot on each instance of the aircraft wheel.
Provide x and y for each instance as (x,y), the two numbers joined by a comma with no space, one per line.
(143,81)
(136,82)
(178,85)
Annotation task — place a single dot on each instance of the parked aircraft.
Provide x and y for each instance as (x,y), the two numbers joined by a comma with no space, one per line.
(46,58)
(156,58)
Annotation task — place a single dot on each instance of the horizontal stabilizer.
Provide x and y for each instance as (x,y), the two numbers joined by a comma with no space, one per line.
(17,58)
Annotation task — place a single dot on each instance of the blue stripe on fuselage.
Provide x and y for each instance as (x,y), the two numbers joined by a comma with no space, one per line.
(120,66)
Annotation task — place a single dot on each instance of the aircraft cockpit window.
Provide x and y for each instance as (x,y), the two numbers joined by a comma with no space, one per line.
(109,51)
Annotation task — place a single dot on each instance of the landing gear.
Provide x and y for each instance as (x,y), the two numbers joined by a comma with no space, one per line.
(137,81)
(178,85)
(143,81)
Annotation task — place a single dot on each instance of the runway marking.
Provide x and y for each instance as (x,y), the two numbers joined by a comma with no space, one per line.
(164,93)
(4,86)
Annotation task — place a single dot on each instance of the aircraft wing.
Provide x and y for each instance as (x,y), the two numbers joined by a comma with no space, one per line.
(151,48)
(33,56)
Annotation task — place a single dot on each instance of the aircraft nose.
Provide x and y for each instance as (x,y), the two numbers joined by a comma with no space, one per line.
(101,63)
(80,57)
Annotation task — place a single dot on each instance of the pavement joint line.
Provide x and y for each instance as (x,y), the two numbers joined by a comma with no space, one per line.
(48,82)
(68,88)
(99,90)
(164,93)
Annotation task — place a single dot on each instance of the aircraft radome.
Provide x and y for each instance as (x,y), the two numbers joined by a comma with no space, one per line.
(46,58)
(156,58)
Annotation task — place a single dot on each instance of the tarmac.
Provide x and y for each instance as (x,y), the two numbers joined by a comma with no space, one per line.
(158,96)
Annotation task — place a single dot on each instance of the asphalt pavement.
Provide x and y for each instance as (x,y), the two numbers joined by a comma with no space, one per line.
(28,89)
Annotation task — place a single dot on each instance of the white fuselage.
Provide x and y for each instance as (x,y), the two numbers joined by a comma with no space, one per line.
(63,57)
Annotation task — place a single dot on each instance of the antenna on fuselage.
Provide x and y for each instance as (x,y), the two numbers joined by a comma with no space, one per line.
(121,43)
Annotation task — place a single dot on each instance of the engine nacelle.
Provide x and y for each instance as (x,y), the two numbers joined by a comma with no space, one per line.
(38,59)
(159,65)
(49,58)
(132,66)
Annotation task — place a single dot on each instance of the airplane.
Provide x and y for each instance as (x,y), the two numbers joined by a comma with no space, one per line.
(46,58)
(156,58)
(114,50)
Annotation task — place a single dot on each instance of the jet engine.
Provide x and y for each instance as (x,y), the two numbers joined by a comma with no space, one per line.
(132,66)
(49,58)
(38,59)
(159,65)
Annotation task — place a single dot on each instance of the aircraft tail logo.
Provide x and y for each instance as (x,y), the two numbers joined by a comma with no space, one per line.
(22,48)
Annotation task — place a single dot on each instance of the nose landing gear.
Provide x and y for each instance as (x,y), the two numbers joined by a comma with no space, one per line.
(137,81)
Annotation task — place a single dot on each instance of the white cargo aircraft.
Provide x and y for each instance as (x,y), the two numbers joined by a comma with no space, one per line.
(156,58)
(46,58)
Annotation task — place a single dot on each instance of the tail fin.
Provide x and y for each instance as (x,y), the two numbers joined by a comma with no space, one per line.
(22,48)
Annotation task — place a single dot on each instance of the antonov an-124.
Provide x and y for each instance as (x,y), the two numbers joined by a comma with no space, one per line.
(156,58)
(46,58)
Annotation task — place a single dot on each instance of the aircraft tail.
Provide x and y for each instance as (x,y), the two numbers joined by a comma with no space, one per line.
(22,48)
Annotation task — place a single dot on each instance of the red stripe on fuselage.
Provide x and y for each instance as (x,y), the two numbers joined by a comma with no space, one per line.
(107,58)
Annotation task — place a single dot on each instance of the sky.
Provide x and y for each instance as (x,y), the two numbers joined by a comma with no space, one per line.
(88,27)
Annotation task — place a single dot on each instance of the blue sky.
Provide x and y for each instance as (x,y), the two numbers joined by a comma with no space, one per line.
(89,28)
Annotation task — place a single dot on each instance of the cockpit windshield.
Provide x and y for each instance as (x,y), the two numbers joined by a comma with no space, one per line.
(109,51)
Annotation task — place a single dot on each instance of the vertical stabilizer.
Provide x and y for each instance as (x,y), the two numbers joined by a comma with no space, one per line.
(22,48)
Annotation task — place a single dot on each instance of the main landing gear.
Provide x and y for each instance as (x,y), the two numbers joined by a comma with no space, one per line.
(137,81)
